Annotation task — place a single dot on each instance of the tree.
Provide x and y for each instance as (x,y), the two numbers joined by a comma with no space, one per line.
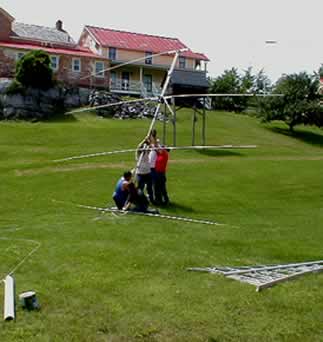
(248,81)
(34,70)
(300,103)
(228,83)
(262,83)
(231,82)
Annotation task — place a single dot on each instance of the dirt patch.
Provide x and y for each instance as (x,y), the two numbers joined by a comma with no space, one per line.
(123,165)
(44,170)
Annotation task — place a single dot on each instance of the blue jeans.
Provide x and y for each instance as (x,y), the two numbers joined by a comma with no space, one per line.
(146,180)
(160,188)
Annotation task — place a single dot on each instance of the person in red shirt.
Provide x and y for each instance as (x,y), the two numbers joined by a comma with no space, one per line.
(161,167)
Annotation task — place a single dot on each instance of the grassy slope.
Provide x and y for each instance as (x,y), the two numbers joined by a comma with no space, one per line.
(124,279)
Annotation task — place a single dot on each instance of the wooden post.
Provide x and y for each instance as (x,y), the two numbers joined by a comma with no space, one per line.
(164,124)
(193,127)
(204,123)
(174,122)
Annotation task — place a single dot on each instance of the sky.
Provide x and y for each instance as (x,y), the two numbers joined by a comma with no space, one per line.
(231,33)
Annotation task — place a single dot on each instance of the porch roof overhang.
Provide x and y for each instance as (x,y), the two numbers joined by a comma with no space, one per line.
(188,78)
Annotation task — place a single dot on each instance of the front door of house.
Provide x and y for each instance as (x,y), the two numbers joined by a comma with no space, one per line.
(148,82)
(125,80)
(113,79)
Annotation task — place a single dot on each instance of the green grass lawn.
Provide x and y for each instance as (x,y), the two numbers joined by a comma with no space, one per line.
(124,278)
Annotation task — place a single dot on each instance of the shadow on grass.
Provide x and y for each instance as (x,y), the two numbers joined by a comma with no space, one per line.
(312,138)
(219,153)
(176,207)
(61,118)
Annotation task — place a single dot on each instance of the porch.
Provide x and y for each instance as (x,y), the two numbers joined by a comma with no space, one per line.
(126,86)
(136,80)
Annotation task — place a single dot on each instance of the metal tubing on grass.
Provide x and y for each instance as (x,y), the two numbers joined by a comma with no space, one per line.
(176,218)
(112,210)
(9,298)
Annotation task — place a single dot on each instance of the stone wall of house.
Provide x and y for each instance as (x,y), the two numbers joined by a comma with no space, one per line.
(35,104)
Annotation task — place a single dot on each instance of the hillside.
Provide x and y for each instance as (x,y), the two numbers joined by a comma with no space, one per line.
(107,278)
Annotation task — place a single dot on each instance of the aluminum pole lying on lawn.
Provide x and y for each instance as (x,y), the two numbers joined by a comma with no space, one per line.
(176,218)
(9,298)
(112,210)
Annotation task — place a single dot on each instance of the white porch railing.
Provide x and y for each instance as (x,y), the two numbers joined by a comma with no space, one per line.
(134,87)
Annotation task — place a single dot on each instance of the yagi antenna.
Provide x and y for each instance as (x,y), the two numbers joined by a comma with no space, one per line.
(161,98)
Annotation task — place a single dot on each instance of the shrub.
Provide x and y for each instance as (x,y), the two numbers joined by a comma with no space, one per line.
(34,70)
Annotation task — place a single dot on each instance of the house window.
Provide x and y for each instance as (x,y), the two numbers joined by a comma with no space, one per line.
(149,59)
(112,53)
(19,55)
(76,65)
(54,62)
(99,69)
(182,62)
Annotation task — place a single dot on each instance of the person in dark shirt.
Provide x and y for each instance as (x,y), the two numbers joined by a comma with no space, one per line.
(137,201)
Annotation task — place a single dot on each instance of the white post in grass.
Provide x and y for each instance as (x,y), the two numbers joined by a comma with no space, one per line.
(9,298)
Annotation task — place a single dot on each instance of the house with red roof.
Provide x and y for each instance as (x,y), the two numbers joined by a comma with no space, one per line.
(143,77)
(71,63)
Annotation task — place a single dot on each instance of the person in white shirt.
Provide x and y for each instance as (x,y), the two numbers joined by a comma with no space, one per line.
(144,178)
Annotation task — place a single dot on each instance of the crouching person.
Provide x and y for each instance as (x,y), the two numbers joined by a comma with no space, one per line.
(122,191)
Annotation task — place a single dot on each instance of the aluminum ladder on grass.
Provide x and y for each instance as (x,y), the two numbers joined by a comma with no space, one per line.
(264,276)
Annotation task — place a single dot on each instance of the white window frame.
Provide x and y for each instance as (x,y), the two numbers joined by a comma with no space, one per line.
(115,53)
(182,62)
(73,64)
(101,74)
(19,55)
(57,62)
(149,57)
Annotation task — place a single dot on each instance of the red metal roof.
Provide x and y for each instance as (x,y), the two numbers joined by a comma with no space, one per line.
(140,42)
(77,51)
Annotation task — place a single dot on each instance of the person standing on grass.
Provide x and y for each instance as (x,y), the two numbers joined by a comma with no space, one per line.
(121,192)
(144,178)
(160,167)
(152,161)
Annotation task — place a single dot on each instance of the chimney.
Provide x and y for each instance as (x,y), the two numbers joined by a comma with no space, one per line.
(59,25)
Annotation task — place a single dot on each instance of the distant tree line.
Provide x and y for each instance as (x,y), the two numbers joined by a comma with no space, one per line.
(301,102)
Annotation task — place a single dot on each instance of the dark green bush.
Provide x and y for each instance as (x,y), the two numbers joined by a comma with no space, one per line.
(34,70)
